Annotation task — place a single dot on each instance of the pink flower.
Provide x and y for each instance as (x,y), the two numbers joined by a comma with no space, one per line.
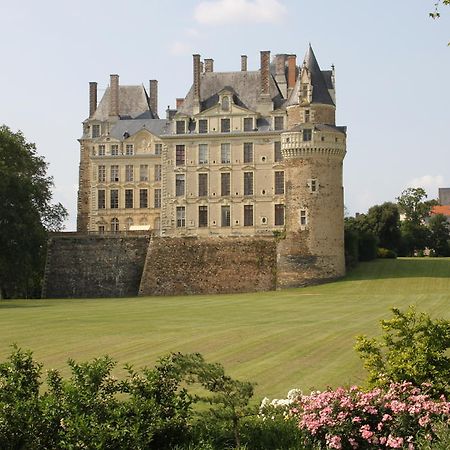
(424,420)
(394,442)
(334,442)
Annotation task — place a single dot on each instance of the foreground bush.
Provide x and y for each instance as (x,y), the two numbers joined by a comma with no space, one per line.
(399,417)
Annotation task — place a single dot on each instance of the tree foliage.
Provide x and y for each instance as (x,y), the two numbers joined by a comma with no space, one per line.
(26,214)
(439,238)
(412,348)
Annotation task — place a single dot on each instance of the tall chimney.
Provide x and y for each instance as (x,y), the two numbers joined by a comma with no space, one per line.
(154,97)
(179,103)
(280,61)
(209,65)
(92,97)
(280,73)
(114,95)
(197,69)
(244,63)
(292,69)
(265,72)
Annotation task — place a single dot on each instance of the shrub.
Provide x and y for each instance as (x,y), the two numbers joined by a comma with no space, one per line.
(398,417)
(386,253)
(413,348)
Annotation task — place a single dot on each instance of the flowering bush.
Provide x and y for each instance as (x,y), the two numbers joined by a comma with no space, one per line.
(353,419)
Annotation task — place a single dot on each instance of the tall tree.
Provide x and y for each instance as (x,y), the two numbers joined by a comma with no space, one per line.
(26,214)
(439,240)
(384,221)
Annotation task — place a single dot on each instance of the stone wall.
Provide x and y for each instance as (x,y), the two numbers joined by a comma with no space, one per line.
(83,266)
(176,266)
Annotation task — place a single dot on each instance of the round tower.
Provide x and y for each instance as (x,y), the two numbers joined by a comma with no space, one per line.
(313,150)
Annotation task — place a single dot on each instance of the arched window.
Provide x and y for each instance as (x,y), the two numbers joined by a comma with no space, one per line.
(115,225)
(129,222)
(225,103)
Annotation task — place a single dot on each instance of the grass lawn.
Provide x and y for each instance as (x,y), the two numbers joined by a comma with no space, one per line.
(294,338)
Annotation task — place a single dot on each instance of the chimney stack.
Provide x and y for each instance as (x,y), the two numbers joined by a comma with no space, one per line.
(197,71)
(209,65)
(265,72)
(154,97)
(292,69)
(244,63)
(179,103)
(280,62)
(92,98)
(280,73)
(114,95)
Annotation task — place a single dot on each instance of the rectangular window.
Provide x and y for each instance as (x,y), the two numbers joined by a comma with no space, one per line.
(248,152)
(128,198)
(157,172)
(248,183)
(158,149)
(279,214)
(277,152)
(129,149)
(143,172)
(203,153)
(225,153)
(101,174)
(101,150)
(101,199)
(202,184)
(157,202)
(95,131)
(303,217)
(225,184)
(114,150)
(180,155)
(202,216)
(248,215)
(278,122)
(179,185)
(143,198)
(225,125)
(307,134)
(181,127)
(202,126)
(279,183)
(313,185)
(307,115)
(114,198)
(225,216)
(114,176)
(248,124)
(181,216)
(129,172)
(101,229)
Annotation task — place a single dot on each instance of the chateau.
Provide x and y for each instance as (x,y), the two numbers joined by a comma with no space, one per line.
(245,155)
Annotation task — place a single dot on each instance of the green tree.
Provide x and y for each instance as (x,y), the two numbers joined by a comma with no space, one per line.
(439,235)
(26,214)
(413,348)
(416,210)
(384,222)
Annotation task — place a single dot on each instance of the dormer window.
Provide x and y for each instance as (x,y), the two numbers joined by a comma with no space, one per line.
(95,131)
(278,122)
(181,127)
(248,123)
(307,134)
(306,93)
(225,125)
(225,103)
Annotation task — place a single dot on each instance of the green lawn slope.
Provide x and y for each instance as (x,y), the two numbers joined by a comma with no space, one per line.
(294,338)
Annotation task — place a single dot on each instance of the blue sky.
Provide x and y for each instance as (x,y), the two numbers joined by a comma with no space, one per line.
(392,73)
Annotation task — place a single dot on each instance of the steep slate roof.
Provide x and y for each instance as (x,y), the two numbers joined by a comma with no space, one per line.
(321,82)
(246,86)
(133,102)
(157,127)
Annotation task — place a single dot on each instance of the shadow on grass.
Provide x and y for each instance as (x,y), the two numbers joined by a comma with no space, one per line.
(11,303)
(400,268)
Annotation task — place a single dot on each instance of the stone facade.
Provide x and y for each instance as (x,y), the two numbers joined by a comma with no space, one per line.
(245,154)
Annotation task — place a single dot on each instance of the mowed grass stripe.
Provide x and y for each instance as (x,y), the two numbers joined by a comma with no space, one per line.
(293,338)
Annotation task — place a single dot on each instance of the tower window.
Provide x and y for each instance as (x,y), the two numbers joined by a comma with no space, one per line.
(307,115)
(303,217)
(313,185)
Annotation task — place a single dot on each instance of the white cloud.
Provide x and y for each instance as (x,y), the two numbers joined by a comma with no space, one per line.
(180,48)
(430,183)
(218,12)
(192,32)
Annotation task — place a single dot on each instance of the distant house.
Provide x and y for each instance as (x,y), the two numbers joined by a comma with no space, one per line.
(444,204)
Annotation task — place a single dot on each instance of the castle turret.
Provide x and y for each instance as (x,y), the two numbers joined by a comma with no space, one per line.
(313,150)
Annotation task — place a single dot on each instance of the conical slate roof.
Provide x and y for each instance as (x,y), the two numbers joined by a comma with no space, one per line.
(320,93)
